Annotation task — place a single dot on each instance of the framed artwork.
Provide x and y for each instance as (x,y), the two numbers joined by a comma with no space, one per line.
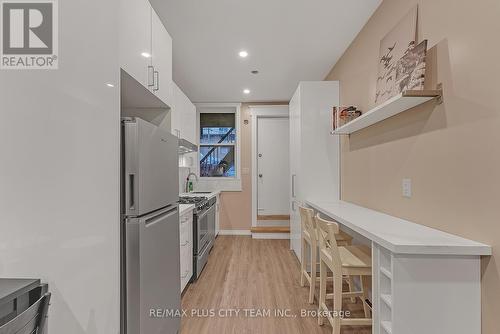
(394,46)
(410,70)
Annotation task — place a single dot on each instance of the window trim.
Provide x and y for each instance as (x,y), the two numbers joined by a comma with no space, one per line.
(228,108)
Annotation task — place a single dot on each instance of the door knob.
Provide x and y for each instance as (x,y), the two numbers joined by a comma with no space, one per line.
(260,155)
(260,175)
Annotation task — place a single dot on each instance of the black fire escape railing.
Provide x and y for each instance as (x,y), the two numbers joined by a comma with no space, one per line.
(213,148)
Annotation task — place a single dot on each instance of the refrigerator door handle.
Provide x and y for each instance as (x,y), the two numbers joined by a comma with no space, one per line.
(131,191)
(157,217)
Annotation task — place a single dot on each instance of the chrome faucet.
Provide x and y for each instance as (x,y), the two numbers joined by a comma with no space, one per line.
(188,178)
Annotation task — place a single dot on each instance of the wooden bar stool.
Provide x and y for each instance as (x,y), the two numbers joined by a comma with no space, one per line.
(341,260)
(309,237)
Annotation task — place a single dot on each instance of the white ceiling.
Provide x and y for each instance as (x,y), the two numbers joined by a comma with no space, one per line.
(287,40)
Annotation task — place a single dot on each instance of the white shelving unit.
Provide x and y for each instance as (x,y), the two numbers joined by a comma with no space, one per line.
(387,326)
(396,105)
(383,283)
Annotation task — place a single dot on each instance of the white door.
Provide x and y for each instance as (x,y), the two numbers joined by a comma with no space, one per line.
(295,145)
(273,184)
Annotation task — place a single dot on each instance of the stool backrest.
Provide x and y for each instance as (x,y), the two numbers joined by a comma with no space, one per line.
(327,241)
(31,320)
(307,219)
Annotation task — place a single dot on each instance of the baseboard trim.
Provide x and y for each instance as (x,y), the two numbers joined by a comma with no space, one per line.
(270,229)
(277,236)
(273,217)
(235,232)
(267,223)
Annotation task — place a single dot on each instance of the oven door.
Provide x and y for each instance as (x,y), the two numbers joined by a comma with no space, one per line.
(202,229)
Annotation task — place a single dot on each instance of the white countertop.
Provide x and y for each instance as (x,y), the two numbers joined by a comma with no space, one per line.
(183,208)
(207,194)
(395,234)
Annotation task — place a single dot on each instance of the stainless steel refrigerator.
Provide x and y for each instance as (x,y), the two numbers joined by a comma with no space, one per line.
(150,229)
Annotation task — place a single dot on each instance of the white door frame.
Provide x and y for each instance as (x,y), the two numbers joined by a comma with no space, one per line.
(261,111)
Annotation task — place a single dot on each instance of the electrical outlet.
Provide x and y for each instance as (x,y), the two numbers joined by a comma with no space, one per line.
(406,184)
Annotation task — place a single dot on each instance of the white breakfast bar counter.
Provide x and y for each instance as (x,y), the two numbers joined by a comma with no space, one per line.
(425,281)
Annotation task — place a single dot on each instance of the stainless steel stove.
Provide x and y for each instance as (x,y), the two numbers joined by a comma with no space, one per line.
(199,202)
(203,230)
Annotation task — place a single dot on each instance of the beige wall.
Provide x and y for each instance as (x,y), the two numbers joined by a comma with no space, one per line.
(236,207)
(451,151)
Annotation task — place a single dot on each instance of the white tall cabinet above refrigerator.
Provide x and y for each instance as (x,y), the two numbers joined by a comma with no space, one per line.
(146,48)
(314,153)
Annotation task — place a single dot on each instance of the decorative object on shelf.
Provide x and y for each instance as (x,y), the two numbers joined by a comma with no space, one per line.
(343,115)
(394,46)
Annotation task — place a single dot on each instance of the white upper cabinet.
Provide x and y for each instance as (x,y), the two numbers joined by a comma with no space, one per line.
(189,121)
(176,111)
(161,60)
(146,48)
(183,116)
(135,38)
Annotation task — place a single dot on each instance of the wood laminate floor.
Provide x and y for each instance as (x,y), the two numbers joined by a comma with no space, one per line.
(259,276)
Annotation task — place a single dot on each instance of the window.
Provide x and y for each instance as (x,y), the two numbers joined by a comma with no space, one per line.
(218,144)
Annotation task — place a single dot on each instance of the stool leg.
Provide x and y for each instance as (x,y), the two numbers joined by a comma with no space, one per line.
(303,261)
(322,290)
(314,274)
(350,282)
(337,302)
(365,285)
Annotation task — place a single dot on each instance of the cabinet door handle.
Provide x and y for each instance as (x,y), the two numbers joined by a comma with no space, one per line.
(151,76)
(293,184)
(156,78)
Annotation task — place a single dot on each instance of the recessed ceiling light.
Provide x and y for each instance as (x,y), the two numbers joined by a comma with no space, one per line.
(243,54)
(246,91)
(146,55)
(110,85)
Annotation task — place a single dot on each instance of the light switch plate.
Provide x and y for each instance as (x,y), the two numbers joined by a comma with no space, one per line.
(406,184)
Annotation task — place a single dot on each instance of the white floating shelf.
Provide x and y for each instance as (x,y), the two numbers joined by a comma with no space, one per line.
(399,103)
(387,326)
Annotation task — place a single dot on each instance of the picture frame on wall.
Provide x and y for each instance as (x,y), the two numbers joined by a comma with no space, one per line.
(393,47)
(410,69)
